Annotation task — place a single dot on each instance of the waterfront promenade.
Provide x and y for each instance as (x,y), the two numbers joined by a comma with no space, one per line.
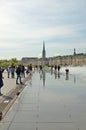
(10,92)
(9,84)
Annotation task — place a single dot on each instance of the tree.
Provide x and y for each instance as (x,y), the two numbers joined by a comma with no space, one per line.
(13,62)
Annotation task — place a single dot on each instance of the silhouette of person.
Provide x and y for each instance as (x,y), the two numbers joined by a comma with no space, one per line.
(67,74)
(18,72)
(58,68)
(1,80)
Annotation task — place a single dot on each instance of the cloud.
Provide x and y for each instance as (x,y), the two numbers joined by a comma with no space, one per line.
(26,23)
(24,31)
(44,11)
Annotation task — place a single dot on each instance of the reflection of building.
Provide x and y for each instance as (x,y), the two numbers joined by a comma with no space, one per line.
(44,78)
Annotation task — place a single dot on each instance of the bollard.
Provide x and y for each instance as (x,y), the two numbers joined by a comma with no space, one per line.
(0,116)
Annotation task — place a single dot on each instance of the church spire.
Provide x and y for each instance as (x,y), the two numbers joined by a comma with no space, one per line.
(74,51)
(43,45)
(43,52)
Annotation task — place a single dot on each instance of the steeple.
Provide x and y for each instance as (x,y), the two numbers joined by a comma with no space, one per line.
(74,51)
(43,52)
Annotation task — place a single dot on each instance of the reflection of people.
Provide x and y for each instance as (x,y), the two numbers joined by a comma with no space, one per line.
(67,71)
(1,80)
(51,69)
(30,80)
(43,76)
(74,79)
(58,75)
(55,74)
(40,67)
(67,77)
(55,67)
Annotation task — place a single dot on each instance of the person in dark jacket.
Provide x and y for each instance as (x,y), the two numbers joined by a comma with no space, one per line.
(30,67)
(58,68)
(18,72)
(1,80)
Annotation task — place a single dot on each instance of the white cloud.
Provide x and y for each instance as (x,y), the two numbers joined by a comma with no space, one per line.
(70,46)
(8,46)
(24,31)
(26,23)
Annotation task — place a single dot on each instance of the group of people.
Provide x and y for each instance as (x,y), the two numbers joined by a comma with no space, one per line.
(12,69)
(55,68)
(19,70)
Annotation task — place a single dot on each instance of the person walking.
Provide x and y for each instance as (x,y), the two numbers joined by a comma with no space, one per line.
(8,71)
(58,68)
(1,80)
(55,68)
(12,71)
(18,72)
(30,69)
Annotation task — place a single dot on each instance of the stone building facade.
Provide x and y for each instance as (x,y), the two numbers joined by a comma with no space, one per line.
(75,60)
(78,59)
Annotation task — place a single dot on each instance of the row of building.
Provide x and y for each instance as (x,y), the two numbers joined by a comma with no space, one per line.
(75,59)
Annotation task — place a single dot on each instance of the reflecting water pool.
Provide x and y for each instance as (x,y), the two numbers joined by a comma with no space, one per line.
(50,101)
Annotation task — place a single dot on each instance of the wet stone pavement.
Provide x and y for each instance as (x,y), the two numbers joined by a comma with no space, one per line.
(50,101)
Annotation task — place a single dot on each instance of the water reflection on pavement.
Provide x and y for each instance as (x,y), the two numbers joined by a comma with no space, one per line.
(50,101)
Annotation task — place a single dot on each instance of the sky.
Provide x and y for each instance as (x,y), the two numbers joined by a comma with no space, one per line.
(25,24)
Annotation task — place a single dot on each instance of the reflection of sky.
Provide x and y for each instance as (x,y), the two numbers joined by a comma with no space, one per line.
(60,105)
(61,100)
(69,88)
(64,100)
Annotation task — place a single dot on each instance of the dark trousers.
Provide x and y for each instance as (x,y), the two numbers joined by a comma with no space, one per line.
(18,79)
